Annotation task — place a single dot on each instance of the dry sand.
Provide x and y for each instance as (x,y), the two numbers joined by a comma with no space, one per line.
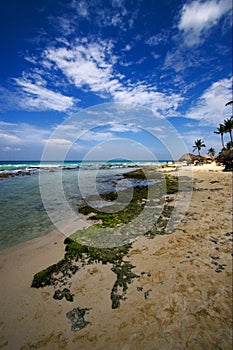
(183,301)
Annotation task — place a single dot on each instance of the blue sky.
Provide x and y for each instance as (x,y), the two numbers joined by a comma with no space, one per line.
(61,57)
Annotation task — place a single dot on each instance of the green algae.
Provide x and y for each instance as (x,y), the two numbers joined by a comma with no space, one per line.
(124,273)
(77,252)
(134,208)
(44,277)
(112,219)
(89,255)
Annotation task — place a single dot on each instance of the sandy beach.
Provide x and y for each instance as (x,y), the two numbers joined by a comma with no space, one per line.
(182,298)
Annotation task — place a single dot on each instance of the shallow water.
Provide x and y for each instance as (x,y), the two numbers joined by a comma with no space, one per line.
(22,211)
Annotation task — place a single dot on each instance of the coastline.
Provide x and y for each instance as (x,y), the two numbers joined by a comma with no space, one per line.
(180,299)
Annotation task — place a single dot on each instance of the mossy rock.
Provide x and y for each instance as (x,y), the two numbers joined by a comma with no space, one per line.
(44,277)
(76,250)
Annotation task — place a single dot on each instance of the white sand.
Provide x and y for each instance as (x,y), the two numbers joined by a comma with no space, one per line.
(189,304)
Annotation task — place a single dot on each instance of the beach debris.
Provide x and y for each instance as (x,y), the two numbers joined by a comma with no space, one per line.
(214,257)
(214,240)
(76,316)
(139,289)
(228,234)
(65,293)
(220,268)
(146,294)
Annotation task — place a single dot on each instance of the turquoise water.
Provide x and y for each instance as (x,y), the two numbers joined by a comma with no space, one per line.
(22,213)
(22,165)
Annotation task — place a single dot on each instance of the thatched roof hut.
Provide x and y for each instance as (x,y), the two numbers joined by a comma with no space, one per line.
(191,158)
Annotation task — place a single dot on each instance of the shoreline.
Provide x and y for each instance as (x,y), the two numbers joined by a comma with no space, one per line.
(179,282)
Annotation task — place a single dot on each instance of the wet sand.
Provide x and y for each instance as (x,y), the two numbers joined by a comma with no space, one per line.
(181,300)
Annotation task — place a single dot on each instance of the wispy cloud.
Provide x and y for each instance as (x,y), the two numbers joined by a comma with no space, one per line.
(38,97)
(118,128)
(92,67)
(198,17)
(25,139)
(96,136)
(157,39)
(81,8)
(19,134)
(210,139)
(147,95)
(210,108)
(86,65)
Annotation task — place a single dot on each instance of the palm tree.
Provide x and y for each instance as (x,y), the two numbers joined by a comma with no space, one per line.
(228,103)
(198,145)
(221,131)
(228,125)
(211,151)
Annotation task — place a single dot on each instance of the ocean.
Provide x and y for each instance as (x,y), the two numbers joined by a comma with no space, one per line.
(23,215)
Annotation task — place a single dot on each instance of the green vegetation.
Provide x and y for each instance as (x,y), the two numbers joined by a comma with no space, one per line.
(225,156)
(220,131)
(211,151)
(228,125)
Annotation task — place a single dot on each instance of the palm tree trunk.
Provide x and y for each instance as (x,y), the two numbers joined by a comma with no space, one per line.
(230,135)
(222,141)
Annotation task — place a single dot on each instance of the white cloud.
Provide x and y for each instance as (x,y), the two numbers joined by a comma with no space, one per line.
(19,134)
(60,141)
(198,17)
(91,66)
(96,136)
(143,94)
(210,108)
(155,55)
(116,127)
(22,140)
(204,133)
(81,8)
(85,65)
(157,39)
(37,97)
(128,47)
(9,138)
(66,25)
(11,149)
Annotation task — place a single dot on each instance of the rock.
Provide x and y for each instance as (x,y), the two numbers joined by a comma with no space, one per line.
(60,294)
(76,316)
